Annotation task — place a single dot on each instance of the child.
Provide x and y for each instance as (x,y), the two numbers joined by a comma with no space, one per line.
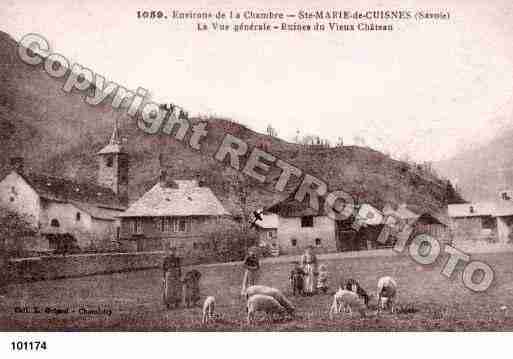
(297,279)
(322,280)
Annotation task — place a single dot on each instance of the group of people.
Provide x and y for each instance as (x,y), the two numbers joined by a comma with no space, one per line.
(307,277)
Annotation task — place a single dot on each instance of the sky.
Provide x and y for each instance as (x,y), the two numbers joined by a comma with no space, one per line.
(425,90)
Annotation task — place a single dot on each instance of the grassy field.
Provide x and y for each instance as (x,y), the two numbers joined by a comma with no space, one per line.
(435,303)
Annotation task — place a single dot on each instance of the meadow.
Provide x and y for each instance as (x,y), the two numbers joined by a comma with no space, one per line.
(427,301)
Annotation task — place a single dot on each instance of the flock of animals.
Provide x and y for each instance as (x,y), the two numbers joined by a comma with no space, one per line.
(349,298)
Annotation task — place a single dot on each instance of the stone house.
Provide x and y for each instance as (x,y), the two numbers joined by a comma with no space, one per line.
(267,230)
(481,222)
(299,227)
(65,212)
(173,213)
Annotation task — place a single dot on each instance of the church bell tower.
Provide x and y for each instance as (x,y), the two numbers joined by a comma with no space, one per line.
(113,167)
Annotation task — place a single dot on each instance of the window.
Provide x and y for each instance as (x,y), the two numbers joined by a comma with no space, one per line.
(181,225)
(169,224)
(270,234)
(109,161)
(318,241)
(307,221)
(488,223)
(166,225)
(195,245)
(54,223)
(293,241)
(137,225)
(77,216)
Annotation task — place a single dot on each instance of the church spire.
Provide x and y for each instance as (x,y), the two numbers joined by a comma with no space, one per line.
(114,138)
(115,143)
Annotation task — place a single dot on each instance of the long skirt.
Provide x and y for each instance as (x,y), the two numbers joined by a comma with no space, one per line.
(250,278)
(172,289)
(310,279)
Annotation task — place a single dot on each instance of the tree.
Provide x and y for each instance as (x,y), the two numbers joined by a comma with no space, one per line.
(13,227)
(271,131)
(229,242)
(340,141)
(452,196)
(239,188)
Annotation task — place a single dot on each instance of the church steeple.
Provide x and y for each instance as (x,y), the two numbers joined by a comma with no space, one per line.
(115,145)
(113,166)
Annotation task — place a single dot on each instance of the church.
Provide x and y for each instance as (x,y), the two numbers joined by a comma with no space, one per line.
(70,215)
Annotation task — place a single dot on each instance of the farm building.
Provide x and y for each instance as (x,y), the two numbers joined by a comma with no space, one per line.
(486,222)
(175,213)
(402,212)
(300,226)
(267,229)
(436,225)
(67,213)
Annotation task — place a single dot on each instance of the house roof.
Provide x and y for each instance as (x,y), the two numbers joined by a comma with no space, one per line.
(495,209)
(268,221)
(67,190)
(98,212)
(402,212)
(432,218)
(186,198)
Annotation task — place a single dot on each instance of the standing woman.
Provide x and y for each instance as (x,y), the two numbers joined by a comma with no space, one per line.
(309,263)
(251,269)
(172,279)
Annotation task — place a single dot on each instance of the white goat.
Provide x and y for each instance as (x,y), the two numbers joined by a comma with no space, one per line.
(345,299)
(208,309)
(387,290)
(271,292)
(263,303)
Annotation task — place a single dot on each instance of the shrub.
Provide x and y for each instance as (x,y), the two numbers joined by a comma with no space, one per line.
(229,241)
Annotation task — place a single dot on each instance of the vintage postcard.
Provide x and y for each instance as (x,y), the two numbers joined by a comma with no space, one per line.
(227,166)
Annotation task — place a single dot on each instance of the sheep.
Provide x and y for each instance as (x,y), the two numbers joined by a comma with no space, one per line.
(387,290)
(263,303)
(272,292)
(354,286)
(347,299)
(208,309)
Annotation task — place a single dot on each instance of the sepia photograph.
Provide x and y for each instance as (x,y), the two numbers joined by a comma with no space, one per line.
(255,166)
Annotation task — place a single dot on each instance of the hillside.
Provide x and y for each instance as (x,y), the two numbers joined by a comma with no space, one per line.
(58,133)
(484,171)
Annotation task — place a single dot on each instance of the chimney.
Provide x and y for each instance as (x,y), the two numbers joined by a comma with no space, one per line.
(163,178)
(17,164)
(199,180)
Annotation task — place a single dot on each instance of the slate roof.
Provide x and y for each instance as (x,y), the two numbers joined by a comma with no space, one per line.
(402,212)
(290,207)
(98,212)
(68,190)
(186,198)
(269,221)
